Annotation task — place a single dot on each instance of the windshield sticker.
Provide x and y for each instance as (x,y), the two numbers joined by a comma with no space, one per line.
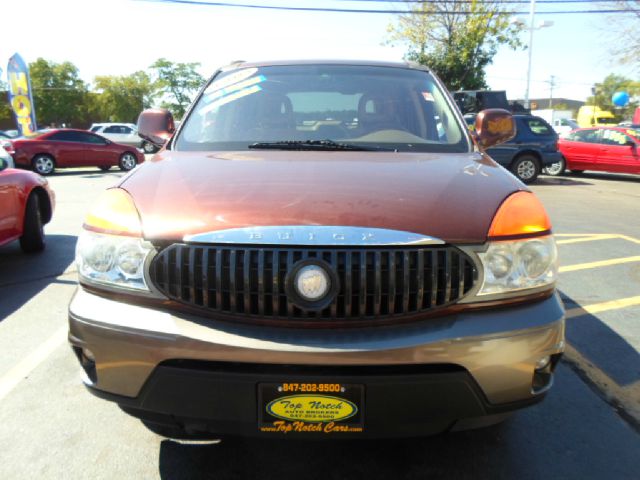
(428,96)
(229,98)
(210,97)
(230,79)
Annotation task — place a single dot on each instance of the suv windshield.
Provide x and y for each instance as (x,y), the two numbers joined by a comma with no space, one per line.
(372,107)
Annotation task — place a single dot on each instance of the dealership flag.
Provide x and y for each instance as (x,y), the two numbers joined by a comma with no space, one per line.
(20,97)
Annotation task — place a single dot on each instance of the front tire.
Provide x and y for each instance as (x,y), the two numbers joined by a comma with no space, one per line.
(32,239)
(43,164)
(148,147)
(128,161)
(526,168)
(556,169)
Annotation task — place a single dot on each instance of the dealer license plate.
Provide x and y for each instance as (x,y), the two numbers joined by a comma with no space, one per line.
(323,408)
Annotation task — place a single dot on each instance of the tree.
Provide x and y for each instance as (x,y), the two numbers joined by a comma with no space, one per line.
(625,29)
(58,93)
(176,83)
(121,99)
(611,84)
(457,40)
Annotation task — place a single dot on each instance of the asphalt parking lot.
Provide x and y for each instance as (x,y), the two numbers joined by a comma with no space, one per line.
(587,428)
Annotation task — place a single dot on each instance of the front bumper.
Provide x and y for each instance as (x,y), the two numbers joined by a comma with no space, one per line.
(204,374)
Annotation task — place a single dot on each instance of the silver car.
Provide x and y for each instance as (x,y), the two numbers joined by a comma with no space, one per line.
(123,133)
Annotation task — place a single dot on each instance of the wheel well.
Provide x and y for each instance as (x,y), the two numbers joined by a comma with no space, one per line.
(531,153)
(44,202)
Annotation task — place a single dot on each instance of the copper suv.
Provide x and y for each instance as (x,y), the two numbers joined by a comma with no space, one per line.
(320,250)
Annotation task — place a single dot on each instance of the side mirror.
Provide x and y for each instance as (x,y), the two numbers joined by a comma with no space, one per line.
(494,126)
(156,125)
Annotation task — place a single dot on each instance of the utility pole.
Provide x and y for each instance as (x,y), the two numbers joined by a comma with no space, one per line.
(552,83)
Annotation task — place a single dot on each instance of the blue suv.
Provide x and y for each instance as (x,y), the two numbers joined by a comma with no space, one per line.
(534,147)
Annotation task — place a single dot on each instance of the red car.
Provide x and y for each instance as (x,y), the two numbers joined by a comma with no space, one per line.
(60,148)
(607,149)
(26,205)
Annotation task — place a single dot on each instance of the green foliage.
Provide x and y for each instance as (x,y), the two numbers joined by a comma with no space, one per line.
(611,84)
(61,97)
(121,99)
(58,93)
(457,45)
(176,83)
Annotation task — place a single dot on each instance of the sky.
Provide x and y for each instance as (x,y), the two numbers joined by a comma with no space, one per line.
(119,37)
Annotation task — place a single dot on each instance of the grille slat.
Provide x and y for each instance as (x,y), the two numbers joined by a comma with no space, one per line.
(391,265)
(406,282)
(377,293)
(420,280)
(348,284)
(233,270)
(374,283)
(290,262)
(362,290)
(219,279)
(205,277)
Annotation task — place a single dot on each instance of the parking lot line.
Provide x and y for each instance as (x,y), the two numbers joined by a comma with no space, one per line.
(630,239)
(603,306)
(589,238)
(620,396)
(601,263)
(22,370)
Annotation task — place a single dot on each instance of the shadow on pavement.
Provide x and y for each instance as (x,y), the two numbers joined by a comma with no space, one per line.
(22,276)
(546,181)
(602,346)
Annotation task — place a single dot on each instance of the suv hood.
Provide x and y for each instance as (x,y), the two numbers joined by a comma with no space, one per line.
(448,196)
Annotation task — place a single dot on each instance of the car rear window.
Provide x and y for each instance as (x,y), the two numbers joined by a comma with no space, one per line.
(539,126)
(398,108)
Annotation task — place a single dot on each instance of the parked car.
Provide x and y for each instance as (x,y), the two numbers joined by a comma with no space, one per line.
(320,250)
(26,205)
(607,149)
(61,148)
(6,134)
(123,133)
(534,147)
(563,126)
(8,159)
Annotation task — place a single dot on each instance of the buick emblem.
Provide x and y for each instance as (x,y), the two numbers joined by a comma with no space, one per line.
(312,283)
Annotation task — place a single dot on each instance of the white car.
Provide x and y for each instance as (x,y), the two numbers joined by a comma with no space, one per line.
(562,126)
(123,133)
(6,157)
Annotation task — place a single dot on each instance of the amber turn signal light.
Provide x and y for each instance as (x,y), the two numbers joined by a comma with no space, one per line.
(520,214)
(115,214)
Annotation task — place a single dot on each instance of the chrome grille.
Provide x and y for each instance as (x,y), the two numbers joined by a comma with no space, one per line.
(375,283)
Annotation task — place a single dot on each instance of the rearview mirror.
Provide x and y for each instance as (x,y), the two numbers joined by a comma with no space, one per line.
(494,126)
(156,125)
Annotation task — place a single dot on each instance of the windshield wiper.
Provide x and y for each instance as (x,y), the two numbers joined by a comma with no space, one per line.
(316,145)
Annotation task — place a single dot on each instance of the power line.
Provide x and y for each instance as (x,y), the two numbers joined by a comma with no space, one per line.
(402,12)
(526,2)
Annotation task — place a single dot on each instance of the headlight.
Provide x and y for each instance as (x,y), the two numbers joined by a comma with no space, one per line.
(112,260)
(518,265)
(111,251)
